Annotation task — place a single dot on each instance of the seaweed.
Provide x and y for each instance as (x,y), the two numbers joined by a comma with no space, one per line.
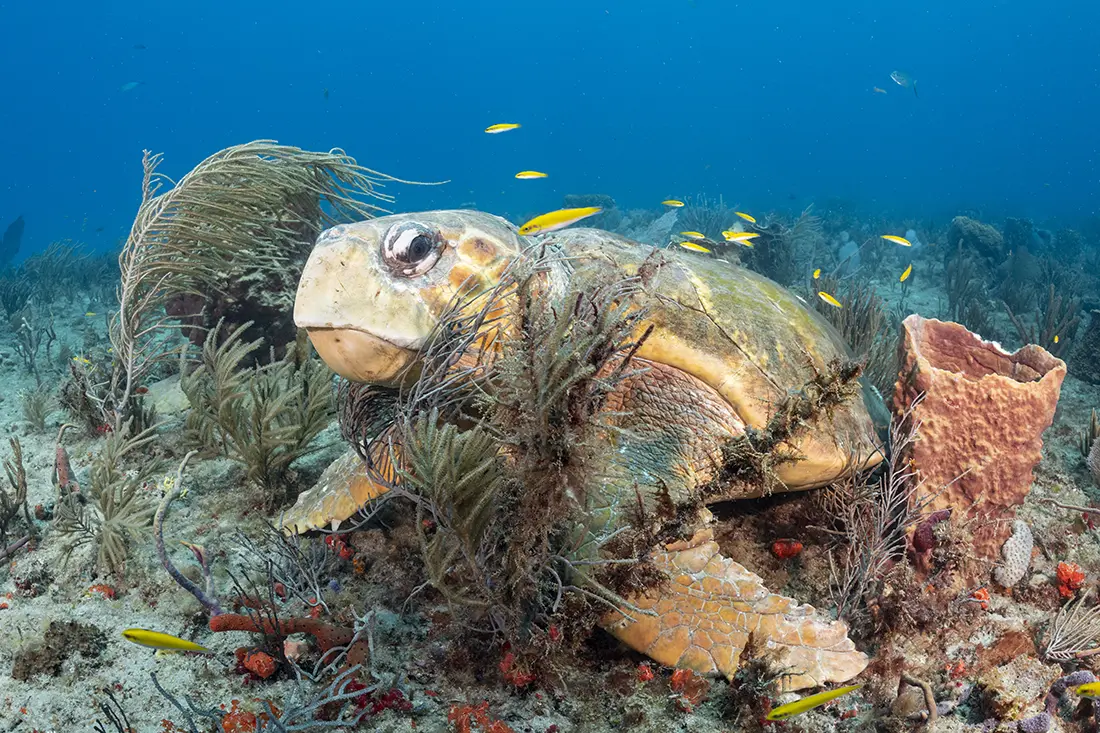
(264,417)
(13,500)
(118,511)
(510,500)
(1055,323)
(753,457)
(211,387)
(876,510)
(36,404)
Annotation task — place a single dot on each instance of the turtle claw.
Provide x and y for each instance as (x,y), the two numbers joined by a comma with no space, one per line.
(710,606)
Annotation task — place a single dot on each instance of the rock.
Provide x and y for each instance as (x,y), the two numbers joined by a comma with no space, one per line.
(981,422)
(61,640)
(971,234)
(167,396)
(1012,688)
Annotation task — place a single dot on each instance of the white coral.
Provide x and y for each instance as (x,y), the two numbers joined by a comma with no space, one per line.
(1016,552)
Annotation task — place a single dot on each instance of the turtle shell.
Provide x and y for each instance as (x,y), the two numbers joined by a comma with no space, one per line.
(747,337)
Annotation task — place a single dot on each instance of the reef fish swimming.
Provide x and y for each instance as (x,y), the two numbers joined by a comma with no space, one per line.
(694,247)
(559,219)
(162,642)
(529,175)
(809,702)
(502,127)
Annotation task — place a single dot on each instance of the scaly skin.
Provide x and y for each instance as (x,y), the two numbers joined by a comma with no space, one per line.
(726,346)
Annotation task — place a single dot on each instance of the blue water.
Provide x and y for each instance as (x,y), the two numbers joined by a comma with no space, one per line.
(757,101)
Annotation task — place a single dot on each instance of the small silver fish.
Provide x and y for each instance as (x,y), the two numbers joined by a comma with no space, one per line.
(129,86)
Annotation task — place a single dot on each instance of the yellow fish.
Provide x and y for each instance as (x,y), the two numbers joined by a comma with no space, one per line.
(1089,689)
(89,314)
(694,235)
(810,702)
(1055,338)
(734,236)
(559,219)
(157,640)
(746,217)
(905,275)
(527,175)
(897,240)
(694,247)
(81,360)
(503,127)
(829,299)
(817,273)
(674,203)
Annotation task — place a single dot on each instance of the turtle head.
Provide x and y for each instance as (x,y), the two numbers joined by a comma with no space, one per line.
(372,292)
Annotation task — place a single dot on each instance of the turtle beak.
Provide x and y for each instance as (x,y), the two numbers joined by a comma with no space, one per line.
(361,357)
(366,325)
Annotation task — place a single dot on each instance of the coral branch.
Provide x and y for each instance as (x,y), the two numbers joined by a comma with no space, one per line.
(929,698)
(328,636)
(209,602)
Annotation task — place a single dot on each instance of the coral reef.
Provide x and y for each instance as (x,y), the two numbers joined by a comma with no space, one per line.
(982,420)
(982,239)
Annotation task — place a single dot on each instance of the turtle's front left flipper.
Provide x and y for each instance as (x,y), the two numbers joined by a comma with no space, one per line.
(711,604)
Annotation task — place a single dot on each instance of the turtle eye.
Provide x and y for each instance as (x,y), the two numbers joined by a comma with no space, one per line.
(411,249)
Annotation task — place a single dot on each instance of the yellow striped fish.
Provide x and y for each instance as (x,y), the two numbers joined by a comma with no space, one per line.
(829,299)
(897,240)
(163,642)
(905,275)
(694,247)
(528,175)
(746,217)
(502,127)
(559,219)
(809,702)
(674,203)
(817,273)
(693,235)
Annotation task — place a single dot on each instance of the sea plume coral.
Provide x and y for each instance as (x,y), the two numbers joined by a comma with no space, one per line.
(245,209)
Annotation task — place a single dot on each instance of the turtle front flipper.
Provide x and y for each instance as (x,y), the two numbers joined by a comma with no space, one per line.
(711,604)
(344,488)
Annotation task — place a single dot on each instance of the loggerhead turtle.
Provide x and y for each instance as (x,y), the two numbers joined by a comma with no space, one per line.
(727,344)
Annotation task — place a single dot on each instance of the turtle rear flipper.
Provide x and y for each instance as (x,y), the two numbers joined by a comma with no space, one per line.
(711,604)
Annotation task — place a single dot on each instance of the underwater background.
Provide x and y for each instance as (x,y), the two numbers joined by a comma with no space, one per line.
(767,104)
(802,436)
